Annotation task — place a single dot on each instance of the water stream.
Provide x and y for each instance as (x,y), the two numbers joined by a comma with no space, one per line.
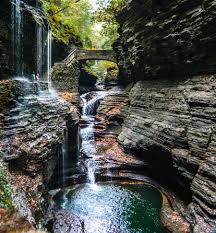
(108,207)
(87,132)
(105,208)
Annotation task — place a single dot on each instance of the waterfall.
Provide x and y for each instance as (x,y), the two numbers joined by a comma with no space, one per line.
(87,133)
(64,155)
(49,57)
(90,106)
(40,49)
(16,28)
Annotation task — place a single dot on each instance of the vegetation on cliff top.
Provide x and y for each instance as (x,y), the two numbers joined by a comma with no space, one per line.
(77,18)
(69,18)
(106,15)
(95,28)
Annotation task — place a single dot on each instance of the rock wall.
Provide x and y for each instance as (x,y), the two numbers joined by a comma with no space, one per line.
(66,81)
(167,50)
(5,39)
(28,43)
(66,78)
(31,139)
(110,114)
(176,117)
(87,81)
(167,38)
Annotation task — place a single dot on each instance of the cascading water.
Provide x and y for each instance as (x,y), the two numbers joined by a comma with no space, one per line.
(49,56)
(64,155)
(16,28)
(51,90)
(87,133)
(39,49)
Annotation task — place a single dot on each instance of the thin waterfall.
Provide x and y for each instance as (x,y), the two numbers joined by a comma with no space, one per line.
(49,57)
(40,49)
(16,28)
(64,155)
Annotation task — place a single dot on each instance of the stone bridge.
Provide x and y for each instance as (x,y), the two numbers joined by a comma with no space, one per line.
(84,55)
(108,55)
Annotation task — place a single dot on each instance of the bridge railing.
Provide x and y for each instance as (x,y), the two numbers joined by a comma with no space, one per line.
(70,57)
(82,54)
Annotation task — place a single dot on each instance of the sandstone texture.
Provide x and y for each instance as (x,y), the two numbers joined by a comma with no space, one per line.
(32,133)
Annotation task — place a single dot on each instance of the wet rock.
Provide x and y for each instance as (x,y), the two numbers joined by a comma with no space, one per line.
(68,223)
(31,139)
(111,158)
(5,39)
(12,222)
(175,119)
(168,46)
(110,114)
(166,39)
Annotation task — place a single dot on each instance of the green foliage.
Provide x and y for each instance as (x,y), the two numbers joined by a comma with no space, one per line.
(107,16)
(5,189)
(91,67)
(102,69)
(76,18)
(69,18)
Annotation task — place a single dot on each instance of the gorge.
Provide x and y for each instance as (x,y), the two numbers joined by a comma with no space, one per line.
(130,154)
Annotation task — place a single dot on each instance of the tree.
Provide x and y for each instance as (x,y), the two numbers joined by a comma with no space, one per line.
(68,18)
(106,14)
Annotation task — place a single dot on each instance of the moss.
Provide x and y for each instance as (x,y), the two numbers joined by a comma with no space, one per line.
(112,73)
(5,188)
(66,78)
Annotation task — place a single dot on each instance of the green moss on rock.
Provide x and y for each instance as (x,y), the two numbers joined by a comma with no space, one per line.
(5,188)
(66,78)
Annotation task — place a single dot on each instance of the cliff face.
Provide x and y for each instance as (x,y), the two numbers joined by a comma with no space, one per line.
(66,81)
(169,49)
(31,139)
(27,44)
(175,118)
(167,38)
(5,38)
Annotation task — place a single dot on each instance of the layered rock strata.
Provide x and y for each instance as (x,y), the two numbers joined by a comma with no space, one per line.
(112,162)
(32,134)
(176,117)
(168,48)
(166,38)
(110,114)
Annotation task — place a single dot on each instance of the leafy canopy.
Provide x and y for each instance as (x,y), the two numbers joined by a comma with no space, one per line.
(69,18)
(106,15)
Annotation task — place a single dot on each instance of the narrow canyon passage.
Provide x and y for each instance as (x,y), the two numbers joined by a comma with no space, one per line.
(112,206)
